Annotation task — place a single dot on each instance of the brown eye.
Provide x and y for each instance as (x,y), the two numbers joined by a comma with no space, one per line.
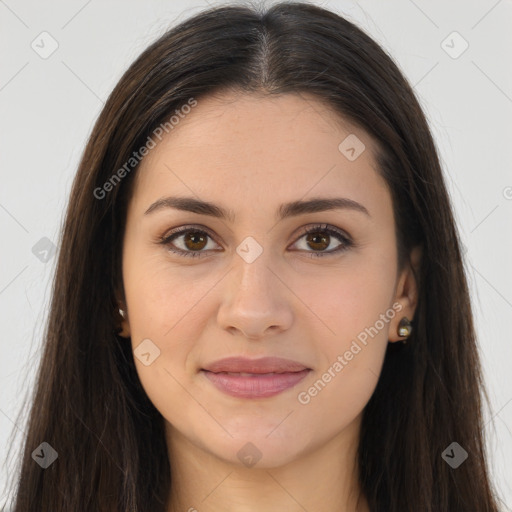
(192,242)
(195,240)
(318,241)
(319,238)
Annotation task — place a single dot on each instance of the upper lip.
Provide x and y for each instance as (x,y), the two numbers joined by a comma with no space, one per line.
(262,365)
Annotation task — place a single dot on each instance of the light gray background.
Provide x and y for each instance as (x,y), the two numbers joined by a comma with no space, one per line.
(48,106)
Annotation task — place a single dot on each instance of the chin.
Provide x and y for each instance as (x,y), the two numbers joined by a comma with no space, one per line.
(256,449)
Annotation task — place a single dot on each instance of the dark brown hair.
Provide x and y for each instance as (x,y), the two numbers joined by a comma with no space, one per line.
(88,403)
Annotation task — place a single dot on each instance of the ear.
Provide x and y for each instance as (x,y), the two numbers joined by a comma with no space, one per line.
(406,293)
(123,322)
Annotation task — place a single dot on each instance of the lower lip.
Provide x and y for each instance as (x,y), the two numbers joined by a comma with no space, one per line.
(259,386)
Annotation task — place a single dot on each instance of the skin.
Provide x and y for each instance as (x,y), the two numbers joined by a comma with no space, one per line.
(250,153)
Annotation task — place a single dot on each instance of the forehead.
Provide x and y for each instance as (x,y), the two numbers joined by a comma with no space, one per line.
(250,150)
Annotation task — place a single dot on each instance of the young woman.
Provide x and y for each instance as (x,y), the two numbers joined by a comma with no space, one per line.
(259,302)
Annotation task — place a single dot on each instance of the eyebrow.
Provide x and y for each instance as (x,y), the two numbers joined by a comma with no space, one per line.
(294,208)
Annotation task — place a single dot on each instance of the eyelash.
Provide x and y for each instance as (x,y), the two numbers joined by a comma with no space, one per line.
(320,228)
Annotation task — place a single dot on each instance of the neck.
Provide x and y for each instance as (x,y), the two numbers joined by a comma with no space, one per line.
(323,479)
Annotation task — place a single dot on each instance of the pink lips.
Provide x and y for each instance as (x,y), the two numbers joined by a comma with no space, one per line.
(255,378)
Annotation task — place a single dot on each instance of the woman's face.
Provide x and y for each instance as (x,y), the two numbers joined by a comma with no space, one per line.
(255,284)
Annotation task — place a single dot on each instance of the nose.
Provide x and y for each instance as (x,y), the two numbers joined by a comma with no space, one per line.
(256,301)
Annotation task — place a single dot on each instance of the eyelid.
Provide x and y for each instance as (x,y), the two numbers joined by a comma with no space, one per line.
(186,228)
(345,239)
(169,236)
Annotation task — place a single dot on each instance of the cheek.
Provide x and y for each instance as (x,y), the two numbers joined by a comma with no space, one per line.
(357,310)
(351,299)
(162,296)
(165,308)
(337,397)
(350,359)
(167,305)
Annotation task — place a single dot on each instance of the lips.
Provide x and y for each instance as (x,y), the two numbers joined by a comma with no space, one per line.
(252,366)
(255,378)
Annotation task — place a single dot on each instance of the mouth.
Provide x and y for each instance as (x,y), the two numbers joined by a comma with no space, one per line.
(257,378)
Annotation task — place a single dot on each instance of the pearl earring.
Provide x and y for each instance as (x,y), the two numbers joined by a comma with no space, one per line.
(404,328)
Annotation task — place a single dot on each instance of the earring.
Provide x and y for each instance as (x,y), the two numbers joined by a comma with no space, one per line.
(404,328)
(120,330)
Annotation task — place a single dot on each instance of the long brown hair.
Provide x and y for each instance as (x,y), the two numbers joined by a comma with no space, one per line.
(88,403)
